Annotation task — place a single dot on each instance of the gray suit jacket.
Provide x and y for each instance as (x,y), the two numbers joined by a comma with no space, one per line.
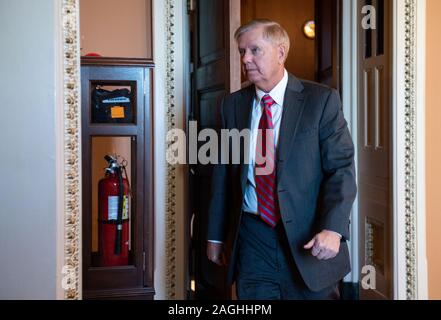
(315,177)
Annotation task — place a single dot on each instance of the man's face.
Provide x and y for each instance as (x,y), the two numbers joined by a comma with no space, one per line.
(262,61)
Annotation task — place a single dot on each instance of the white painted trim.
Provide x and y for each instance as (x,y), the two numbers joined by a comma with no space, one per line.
(67,130)
(235,61)
(350,110)
(181,187)
(402,276)
(164,274)
(80,156)
(159,127)
(59,140)
(422,276)
(398,157)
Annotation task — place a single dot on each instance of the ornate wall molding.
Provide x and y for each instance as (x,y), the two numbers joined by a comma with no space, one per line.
(410,149)
(71,109)
(171,170)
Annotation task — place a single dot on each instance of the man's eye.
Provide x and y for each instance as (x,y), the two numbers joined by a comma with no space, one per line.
(254,51)
(241,52)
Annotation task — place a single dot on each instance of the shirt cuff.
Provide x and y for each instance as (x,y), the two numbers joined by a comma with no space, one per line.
(215,241)
(336,233)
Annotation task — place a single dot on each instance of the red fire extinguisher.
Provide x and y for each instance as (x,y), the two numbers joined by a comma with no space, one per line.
(113,207)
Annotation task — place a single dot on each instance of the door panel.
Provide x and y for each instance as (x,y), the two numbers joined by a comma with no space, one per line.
(375,151)
(215,74)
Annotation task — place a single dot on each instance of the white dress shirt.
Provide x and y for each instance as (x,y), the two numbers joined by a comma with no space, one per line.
(278,95)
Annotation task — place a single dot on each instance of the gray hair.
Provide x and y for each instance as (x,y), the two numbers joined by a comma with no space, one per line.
(272,31)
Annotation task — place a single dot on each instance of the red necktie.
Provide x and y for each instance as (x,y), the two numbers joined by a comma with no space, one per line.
(265,171)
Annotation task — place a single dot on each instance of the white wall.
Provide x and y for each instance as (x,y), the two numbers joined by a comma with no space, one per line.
(28,150)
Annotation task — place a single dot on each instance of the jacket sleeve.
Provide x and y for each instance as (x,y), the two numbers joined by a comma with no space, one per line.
(338,188)
(217,216)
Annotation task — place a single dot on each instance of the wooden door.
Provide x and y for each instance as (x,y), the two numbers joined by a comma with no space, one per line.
(216,72)
(375,151)
(328,42)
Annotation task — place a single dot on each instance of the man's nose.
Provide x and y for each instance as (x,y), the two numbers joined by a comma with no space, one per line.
(246,57)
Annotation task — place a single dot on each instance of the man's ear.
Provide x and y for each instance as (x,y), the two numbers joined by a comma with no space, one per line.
(282,54)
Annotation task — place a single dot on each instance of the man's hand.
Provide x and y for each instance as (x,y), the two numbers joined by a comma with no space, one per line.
(325,245)
(216,254)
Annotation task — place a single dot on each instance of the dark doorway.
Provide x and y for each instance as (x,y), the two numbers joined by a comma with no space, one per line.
(215,73)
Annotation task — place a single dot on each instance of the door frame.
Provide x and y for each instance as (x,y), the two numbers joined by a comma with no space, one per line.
(409,248)
(350,101)
(409,55)
(410,267)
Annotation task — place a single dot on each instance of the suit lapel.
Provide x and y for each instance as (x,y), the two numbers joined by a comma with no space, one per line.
(243,118)
(293,106)
(243,110)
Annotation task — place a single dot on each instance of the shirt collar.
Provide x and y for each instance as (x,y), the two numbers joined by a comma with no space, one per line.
(278,92)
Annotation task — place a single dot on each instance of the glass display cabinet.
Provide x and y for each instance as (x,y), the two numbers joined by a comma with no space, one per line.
(117,166)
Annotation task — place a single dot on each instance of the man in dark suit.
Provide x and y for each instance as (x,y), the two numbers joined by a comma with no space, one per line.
(282,232)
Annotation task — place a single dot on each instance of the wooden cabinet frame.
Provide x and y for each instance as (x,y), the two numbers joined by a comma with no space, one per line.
(134,281)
